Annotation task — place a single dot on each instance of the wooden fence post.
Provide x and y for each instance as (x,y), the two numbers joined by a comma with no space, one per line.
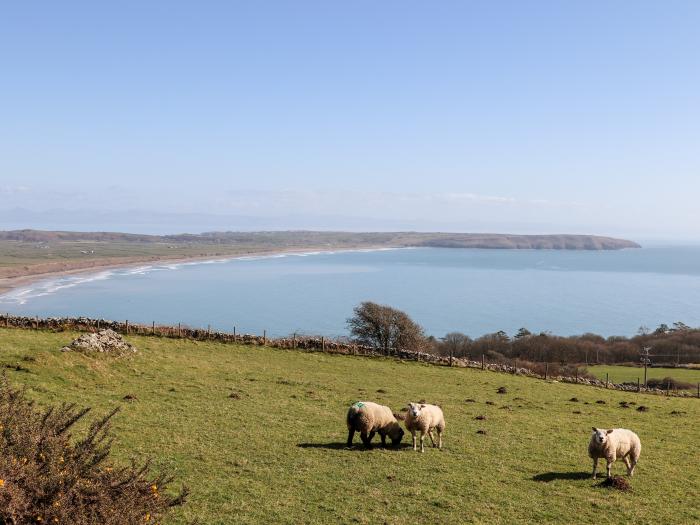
(639,388)
(323,344)
(179,330)
(294,340)
(234,334)
(483,361)
(576,375)
(546,370)
(153,328)
(515,366)
(607,379)
(264,337)
(126,324)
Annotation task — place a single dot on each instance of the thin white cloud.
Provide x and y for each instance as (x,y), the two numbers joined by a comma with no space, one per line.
(13,190)
(473,197)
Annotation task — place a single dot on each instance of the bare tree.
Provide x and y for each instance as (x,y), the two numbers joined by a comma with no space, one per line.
(385,328)
(455,344)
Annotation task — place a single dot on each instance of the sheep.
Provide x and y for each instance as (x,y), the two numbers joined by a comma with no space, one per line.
(425,418)
(612,444)
(369,418)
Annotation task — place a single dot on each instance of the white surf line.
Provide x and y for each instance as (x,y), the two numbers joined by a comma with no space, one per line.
(49,286)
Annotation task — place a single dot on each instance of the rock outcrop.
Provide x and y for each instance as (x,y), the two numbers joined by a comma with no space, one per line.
(104,341)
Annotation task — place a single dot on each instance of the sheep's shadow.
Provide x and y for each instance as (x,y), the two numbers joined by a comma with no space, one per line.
(546,477)
(354,448)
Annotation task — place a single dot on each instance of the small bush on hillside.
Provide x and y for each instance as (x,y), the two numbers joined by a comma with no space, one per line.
(48,477)
(667,382)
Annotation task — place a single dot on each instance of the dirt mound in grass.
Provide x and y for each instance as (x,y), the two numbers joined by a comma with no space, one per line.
(106,341)
(617,483)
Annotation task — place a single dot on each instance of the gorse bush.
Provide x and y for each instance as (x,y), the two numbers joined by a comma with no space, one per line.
(47,476)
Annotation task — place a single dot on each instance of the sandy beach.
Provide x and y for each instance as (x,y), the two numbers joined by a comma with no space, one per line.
(14,278)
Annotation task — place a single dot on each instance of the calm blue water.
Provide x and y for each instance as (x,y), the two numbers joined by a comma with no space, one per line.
(473,291)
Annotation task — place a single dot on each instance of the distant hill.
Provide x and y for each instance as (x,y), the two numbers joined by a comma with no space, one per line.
(289,239)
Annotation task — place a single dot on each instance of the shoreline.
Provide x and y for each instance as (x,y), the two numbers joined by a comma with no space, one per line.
(14,283)
(56,269)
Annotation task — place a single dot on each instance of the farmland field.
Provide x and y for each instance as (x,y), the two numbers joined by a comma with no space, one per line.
(274,451)
(629,374)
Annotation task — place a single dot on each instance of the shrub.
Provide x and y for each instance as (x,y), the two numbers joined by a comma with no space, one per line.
(664,383)
(48,477)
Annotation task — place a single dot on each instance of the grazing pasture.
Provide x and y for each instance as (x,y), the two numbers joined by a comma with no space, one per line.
(259,434)
(629,374)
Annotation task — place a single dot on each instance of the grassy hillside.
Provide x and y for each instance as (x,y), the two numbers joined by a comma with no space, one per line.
(274,451)
(629,374)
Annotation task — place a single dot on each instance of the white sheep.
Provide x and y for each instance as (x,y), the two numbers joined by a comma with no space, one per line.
(613,444)
(369,418)
(425,418)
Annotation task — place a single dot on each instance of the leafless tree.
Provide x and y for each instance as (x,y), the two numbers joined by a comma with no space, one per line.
(385,328)
(455,344)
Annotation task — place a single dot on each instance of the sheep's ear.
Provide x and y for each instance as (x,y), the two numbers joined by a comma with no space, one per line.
(609,431)
(422,406)
(594,429)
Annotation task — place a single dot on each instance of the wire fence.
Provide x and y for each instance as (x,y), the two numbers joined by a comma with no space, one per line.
(544,371)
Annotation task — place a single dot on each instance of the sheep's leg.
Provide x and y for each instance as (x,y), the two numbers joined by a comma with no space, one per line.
(610,462)
(413,433)
(430,434)
(383,436)
(351,435)
(439,433)
(422,440)
(633,464)
(595,467)
(367,439)
(626,459)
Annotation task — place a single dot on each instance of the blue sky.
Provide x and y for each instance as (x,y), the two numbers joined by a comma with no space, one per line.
(541,116)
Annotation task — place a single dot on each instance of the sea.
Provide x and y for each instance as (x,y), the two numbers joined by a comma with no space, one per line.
(472,291)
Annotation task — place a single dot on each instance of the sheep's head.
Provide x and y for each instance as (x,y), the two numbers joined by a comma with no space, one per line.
(600,435)
(396,434)
(414,409)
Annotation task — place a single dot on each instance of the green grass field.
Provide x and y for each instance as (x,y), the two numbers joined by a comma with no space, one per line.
(629,374)
(274,453)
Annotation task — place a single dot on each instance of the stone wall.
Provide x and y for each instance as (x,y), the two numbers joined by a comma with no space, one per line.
(307,343)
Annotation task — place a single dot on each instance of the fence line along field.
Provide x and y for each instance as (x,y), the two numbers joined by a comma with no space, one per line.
(258,435)
(630,374)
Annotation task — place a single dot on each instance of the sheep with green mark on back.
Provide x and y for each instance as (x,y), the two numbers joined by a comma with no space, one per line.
(369,418)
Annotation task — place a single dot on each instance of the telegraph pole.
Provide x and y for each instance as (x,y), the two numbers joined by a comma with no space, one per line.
(647,361)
